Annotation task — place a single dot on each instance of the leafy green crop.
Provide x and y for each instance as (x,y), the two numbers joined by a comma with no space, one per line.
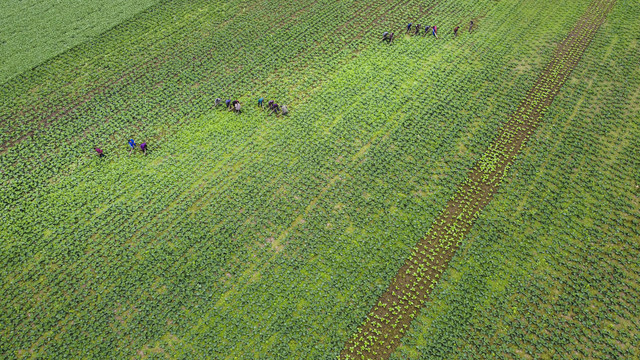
(551,268)
(34,31)
(244,236)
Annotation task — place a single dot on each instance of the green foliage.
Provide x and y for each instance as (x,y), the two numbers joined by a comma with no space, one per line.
(243,236)
(34,31)
(550,269)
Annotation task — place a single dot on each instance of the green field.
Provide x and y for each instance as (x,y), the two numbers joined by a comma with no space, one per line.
(551,268)
(32,32)
(254,236)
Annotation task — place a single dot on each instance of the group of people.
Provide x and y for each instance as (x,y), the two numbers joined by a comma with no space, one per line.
(231,105)
(388,37)
(434,30)
(273,107)
(132,147)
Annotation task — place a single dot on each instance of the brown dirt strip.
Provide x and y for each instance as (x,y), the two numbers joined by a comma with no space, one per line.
(390,318)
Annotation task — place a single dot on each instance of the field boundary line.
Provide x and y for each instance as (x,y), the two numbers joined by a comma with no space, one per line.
(389,319)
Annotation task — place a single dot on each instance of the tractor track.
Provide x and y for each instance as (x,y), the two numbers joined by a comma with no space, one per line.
(389,319)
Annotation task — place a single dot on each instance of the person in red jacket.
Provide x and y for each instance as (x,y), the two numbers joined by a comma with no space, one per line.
(100,153)
(455,31)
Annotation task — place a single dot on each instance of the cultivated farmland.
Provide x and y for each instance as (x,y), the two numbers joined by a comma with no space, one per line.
(34,31)
(469,197)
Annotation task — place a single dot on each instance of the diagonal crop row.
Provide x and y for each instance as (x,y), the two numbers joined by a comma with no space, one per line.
(391,316)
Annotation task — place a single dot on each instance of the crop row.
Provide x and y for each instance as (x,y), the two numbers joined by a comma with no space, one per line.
(390,318)
(550,267)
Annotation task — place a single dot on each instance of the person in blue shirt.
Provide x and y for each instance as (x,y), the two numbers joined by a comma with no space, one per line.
(409,27)
(132,144)
(228,103)
(261,102)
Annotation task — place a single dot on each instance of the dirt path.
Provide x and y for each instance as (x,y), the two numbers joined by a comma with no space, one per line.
(390,318)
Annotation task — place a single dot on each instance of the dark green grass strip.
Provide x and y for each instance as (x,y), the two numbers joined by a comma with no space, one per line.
(391,316)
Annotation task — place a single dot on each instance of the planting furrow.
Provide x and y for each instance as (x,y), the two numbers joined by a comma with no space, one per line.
(391,316)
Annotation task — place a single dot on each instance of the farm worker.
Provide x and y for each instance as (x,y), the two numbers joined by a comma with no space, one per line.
(100,153)
(470,25)
(275,109)
(435,31)
(261,102)
(218,101)
(237,107)
(455,31)
(143,147)
(132,144)
(285,111)
(388,37)
(417,30)
(228,102)
(426,30)
(271,102)
(409,27)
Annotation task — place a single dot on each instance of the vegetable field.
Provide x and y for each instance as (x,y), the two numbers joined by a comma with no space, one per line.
(494,175)
(34,31)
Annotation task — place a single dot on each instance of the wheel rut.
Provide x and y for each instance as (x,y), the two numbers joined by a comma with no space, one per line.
(389,319)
